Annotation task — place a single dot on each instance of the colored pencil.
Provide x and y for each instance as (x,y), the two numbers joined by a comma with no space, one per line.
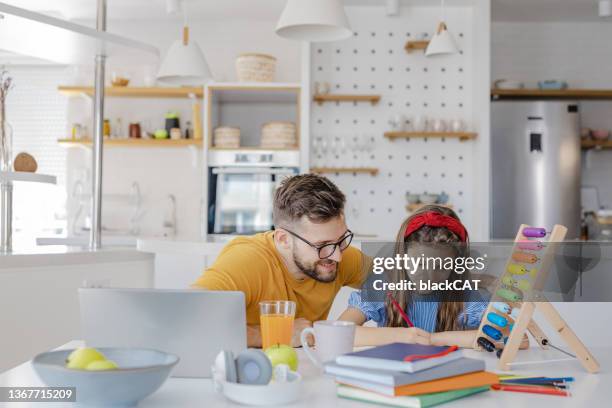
(561,384)
(531,389)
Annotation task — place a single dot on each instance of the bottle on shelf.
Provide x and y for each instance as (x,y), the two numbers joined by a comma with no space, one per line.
(106,130)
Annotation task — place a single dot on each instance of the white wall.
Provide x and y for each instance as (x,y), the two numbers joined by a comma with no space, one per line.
(221,41)
(579,53)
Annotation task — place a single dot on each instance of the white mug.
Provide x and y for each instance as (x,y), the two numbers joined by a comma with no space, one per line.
(332,339)
(397,122)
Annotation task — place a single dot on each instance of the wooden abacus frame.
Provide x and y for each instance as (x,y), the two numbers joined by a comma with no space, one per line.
(528,304)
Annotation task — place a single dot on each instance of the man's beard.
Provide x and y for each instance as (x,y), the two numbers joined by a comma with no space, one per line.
(311,270)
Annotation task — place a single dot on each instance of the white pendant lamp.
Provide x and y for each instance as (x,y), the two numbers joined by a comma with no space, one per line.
(442,42)
(184,63)
(314,20)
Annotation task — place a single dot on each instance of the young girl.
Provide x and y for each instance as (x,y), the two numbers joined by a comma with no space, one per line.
(439,318)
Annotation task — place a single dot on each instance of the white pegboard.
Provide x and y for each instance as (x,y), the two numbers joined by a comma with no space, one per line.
(374,61)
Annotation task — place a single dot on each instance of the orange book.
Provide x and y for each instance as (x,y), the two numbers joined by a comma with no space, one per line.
(457,382)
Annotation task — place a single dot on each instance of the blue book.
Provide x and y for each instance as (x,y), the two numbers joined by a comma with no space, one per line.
(392,357)
(398,378)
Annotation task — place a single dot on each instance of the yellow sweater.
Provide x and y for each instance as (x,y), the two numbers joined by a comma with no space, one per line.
(253,265)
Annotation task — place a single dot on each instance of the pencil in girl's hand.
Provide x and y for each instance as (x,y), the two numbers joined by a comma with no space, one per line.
(400,310)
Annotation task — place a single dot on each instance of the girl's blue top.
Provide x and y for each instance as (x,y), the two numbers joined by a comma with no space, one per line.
(422,313)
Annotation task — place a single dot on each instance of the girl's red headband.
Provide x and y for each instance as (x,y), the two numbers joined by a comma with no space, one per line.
(435,219)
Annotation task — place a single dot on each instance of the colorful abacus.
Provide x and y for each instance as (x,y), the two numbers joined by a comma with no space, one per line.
(509,314)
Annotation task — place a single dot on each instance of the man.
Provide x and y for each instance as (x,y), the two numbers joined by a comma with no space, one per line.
(306,259)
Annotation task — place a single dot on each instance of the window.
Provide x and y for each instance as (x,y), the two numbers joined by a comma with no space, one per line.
(37,113)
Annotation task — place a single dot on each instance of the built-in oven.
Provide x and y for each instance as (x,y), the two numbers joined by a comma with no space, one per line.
(241,189)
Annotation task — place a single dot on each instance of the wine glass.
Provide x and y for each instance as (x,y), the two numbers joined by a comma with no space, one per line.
(343,160)
(316,152)
(334,149)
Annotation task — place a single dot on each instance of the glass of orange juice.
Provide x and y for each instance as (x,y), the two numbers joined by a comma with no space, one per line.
(276,320)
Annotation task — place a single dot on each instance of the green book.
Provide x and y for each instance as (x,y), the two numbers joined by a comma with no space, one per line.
(420,401)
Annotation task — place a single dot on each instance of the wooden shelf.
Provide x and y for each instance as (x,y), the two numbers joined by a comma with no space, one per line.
(254,149)
(322,98)
(406,135)
(604,220)
(135,92)
(416,206)
(134,142)
(416,46)
(551,94)
(596,144)
(26,176)
(320,170)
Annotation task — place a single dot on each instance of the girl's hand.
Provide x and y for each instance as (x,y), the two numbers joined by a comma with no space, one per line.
(413,335)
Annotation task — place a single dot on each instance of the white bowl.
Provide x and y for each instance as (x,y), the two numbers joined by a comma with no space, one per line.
(141,372)
(428,198)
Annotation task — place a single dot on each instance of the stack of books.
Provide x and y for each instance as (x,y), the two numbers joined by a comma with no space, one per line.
(409,375)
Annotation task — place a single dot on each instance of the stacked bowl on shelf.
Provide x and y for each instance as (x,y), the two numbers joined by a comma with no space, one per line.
(226,137)
(278,135)
(255,68)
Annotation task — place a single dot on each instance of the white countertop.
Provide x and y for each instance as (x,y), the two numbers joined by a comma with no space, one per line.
(589,390)
(49,255)
(204,246)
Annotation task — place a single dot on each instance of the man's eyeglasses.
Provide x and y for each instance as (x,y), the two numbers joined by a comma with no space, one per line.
(327,250)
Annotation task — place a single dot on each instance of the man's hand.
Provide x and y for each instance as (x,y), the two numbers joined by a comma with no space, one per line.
(253,336)
(300,324)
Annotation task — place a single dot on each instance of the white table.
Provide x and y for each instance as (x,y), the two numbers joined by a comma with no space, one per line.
(589,390)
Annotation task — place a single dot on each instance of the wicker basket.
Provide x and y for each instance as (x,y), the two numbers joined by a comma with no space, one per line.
(255,68)
(278,135)
(226,137)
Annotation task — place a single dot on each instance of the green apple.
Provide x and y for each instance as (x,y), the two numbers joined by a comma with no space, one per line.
(101,365)
(81,357)
(160,134)
(282,354)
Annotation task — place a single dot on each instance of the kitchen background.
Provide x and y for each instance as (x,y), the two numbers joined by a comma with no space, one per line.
(524,42)
(171,197)
(409,85)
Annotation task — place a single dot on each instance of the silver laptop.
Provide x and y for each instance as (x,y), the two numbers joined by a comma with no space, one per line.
(193,324)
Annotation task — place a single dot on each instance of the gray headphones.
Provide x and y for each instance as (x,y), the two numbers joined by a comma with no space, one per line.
(252,366)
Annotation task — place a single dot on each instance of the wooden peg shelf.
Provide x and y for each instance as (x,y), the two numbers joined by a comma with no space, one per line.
(416,206)
(134,142)
(322,98)
(135,92)
(407,135)
(574,93)
(412,46)
(368,170)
